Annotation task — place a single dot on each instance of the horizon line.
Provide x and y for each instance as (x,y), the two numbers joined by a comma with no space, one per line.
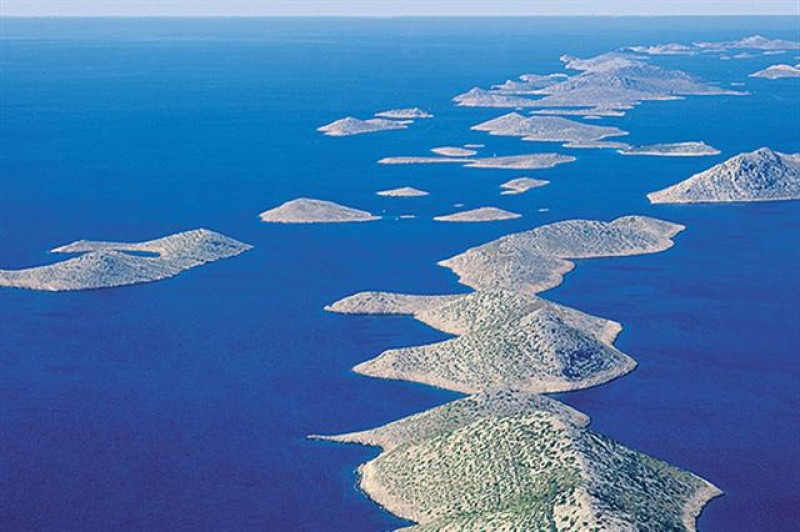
(543,15)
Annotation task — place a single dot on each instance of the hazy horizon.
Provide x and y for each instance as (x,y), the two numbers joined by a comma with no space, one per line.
(395,8)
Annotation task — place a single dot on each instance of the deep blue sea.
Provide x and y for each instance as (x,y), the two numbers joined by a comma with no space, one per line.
(184,404)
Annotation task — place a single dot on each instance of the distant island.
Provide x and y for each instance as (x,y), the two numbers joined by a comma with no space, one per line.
(354,126)
(110,264)
(521,185)
(761,175)
(547,129)
(402,192)
(308,211)
(778,72)
(675,149)
(530,161)
(410,113)
(481,214)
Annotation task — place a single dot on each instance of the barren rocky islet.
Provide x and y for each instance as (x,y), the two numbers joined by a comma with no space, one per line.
(110,264)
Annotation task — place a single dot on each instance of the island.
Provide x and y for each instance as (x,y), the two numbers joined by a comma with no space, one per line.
(508,460)
(778,72)
(403,192)
(410,113)
(536,260)
(528,84)
(664,49)
(585,112)
(761,175)
(505,341)
(547,129)
(530,161)
(521,185)
(674,149)
(308,210)
(353,126)
(613,80)
(454,151)
(754,42)
(477,97)
(102,264)
(481,214)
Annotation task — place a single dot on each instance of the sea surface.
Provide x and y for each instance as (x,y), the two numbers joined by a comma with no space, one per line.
(185,404)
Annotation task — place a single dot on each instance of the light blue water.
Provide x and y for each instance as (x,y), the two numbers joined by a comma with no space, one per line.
(184,404)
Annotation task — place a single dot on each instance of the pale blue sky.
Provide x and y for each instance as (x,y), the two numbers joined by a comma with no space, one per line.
(394,7)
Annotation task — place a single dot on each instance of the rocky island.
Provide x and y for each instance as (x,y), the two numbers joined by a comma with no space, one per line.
(454,151)
(547,129)
(530,161)
(778,72)
(355,126)
(481,214)
(675,149)
(508,460)
(521,185)
(109,264)
(506,341)
(402,192)
(761,175)
(536,260)
(307,211)
(410,113)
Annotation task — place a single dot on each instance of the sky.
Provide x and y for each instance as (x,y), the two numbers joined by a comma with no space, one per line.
(394,7)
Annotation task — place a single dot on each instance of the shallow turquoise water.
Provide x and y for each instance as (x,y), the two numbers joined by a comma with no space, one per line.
(184,404)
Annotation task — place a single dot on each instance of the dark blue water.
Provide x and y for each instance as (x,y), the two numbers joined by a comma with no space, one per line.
(184,404)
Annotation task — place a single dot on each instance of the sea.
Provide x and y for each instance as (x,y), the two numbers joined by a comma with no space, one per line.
(186,404)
